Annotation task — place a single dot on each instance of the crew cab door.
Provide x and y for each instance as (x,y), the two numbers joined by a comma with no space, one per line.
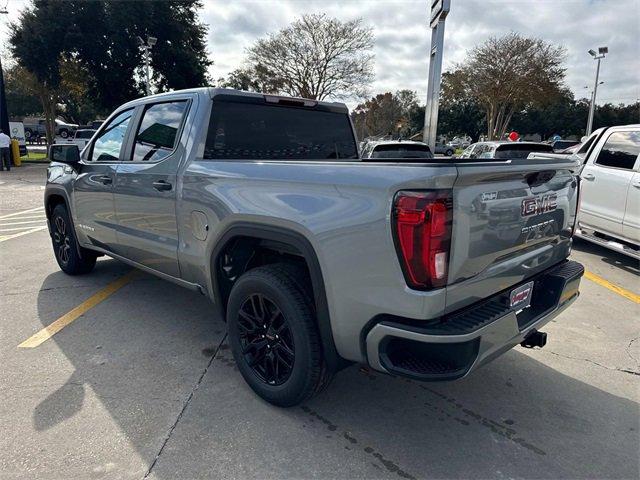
(93,206)
(146,183)
(631,222)
(606,180)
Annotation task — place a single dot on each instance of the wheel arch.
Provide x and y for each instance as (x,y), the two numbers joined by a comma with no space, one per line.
(53,197)
(300,245)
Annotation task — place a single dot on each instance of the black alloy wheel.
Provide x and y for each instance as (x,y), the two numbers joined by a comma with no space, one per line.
(71,258)
(62,242)
(266,339)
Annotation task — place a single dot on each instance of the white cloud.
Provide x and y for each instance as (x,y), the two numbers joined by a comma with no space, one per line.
(402,35)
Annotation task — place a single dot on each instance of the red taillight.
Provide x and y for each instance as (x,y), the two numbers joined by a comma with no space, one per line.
(422,228)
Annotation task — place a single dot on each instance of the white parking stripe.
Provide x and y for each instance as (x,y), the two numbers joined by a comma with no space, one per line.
(14,214)
(20,234)
(23,217)
(4,224)
(16,229)
(22,223)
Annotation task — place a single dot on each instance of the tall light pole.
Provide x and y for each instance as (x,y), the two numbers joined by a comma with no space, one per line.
(439,11)
(602,51)
(4,114)
(146,47)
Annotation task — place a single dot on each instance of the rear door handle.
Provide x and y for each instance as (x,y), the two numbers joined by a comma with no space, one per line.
(104,179)
(589,176)
(636,184)
(162,185)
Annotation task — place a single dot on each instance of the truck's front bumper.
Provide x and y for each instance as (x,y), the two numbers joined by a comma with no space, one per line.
(459,343)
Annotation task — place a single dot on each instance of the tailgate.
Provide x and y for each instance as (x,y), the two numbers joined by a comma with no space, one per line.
(511,220)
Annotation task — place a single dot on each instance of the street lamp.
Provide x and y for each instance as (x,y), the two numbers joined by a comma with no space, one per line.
(146,47)
(602,51)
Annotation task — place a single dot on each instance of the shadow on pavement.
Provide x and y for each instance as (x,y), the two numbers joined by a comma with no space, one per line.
(143,350)
(609,257)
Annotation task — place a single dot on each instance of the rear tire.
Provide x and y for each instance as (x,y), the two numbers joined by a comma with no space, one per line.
(65,246)
(448,153)
(274,336)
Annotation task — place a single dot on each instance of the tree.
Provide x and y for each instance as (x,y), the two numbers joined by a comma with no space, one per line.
(507,74)
(22,100)
(459,113)
(251,79)
(109,47)
(99,39)
(315,57)
(387,114)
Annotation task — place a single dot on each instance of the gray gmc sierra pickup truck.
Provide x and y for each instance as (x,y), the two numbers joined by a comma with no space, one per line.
(316,258)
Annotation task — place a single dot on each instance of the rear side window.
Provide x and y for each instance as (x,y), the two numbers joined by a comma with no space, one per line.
(402,151)
(259,131)
(562,144)
(85,133)
(520,150)
(158,132)
(620,150)
(106,147)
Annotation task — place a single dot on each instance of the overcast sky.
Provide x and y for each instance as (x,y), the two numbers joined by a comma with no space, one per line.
(402,35)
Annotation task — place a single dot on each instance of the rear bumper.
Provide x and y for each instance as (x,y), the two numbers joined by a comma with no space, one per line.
(457,344)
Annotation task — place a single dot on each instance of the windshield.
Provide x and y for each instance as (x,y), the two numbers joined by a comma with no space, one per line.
(520,150)
(402,151)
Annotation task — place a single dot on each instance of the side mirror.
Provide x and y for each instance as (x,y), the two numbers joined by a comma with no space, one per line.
(69,153)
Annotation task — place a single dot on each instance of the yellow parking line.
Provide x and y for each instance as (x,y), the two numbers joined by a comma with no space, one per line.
(614,288)
(49,331)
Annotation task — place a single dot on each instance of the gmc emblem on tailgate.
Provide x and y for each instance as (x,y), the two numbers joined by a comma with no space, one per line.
(540,204)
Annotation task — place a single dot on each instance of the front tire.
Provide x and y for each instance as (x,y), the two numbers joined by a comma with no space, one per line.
(64,133)
(65,244)
(274,336)
(449,153)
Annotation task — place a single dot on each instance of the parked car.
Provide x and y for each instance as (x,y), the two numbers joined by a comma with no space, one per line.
(406,149)
(315,258)
(460,142)
(610,201)
(82,137)
(503,149)
(610,194)
(560,145)
(444,148)
(35,127)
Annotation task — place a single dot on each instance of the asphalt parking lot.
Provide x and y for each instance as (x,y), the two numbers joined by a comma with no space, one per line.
(141,384)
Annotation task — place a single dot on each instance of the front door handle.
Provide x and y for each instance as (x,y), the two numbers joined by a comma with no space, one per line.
(589,176)
(162,185)
(104,179)
(636,184)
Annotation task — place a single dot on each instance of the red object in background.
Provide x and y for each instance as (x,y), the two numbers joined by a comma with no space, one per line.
(513,136)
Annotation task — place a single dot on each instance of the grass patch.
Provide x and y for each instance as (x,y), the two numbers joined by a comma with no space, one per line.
(35,157)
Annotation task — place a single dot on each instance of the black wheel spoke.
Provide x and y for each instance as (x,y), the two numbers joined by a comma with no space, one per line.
(258,358)
(283,347)
(248,322)
(256,345)
(281,358)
